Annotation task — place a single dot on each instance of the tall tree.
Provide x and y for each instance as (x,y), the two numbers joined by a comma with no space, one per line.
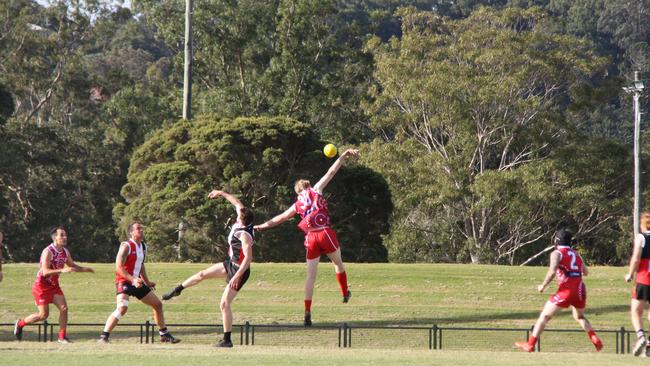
(477,100)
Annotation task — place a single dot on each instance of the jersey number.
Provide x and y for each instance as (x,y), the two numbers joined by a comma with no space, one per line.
(573,261)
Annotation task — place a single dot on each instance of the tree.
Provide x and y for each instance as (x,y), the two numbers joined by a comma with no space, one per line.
(474,101)
(257,159)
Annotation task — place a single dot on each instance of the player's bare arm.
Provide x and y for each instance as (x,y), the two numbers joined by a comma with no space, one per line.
(552,267)
(635,259)
(74,267)
(247,249)
(120,259)
(286,215)
(229,197)
(331,172)
(145,278)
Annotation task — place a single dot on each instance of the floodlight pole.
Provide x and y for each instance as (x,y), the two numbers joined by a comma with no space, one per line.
(636,89)
(187,78)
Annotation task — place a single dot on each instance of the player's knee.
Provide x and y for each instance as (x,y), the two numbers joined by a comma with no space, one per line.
(63,309)
(225,306)
(42,315)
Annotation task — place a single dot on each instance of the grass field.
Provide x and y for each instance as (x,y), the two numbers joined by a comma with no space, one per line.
(383,295)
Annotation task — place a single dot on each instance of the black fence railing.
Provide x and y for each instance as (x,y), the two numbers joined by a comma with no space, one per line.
(247,332)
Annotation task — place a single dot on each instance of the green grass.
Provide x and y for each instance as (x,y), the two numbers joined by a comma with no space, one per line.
(383,294)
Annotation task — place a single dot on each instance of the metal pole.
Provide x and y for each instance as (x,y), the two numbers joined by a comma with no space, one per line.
(636,89)
(187,78)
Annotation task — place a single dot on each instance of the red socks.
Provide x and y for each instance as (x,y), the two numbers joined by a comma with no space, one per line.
(307,305)
(342,278)
(532,340)
(62,334)
(21,323)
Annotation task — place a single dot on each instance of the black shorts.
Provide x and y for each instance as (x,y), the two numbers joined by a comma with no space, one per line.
(128,289)
(231,269)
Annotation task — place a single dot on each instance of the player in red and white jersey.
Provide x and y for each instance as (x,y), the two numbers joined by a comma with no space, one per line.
(315,223)
(54,259)
(235,269)
(568,268)
(131,280)
(640,264)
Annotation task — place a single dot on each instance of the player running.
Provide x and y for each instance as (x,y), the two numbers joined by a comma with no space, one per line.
(640,264)
(46,289)
(236,268)
(315,223)
(568,268)
(131,280)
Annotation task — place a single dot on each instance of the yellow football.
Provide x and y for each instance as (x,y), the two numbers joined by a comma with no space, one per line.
(329,150)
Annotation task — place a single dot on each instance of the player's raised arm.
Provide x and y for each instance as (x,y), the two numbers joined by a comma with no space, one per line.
(331,172)
(636,257)
(552,267)
(286,215)
(232,199)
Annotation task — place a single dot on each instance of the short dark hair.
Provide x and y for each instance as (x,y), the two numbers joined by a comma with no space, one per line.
(563,237)
(131,225)
(54,230)
(247,216)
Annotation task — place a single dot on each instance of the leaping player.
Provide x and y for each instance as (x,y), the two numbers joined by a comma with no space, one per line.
(315,223)
(568,268)
(46,289)
(236,268)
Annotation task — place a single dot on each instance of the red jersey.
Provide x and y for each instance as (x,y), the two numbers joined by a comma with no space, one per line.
(57,261)
(134,261)
(569,270)
(643,273)
(312,207)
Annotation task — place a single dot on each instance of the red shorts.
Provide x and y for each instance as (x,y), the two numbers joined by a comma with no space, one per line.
(572,295)
(320,242)
(44,295)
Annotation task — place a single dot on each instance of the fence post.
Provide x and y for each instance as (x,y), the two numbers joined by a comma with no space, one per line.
(623,340)
(248,327)
(241,333)
(339,336)
(345,335)
(435,336)
(44,330)
(349,336)
(252,335)
(51,332)
(146,332)
(153,332)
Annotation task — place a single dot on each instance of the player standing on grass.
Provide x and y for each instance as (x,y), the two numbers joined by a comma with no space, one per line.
(315,223)
(236,268)
(568,268)
(46,288)
(640,264)
(131,280)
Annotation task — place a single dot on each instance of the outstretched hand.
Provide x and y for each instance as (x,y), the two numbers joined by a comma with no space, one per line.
(350,153)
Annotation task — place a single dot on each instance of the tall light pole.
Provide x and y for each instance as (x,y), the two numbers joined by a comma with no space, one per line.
(187,78)
(636,89)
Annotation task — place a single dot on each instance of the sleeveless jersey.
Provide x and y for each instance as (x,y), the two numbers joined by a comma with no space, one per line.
(312,208)
(235,252)
(57,261)
(569,270)
(134,261)
(643,274)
